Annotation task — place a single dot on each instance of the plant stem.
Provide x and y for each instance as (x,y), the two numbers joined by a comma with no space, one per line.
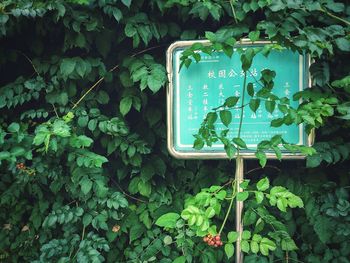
(242,108)
(111,70)
(233,11)
(235,186)
(335,17)
(230,206)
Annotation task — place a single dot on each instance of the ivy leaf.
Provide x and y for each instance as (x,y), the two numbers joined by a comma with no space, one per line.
(168,220)
(229,250)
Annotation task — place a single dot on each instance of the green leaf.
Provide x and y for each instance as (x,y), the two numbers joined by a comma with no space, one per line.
(288,244)
(343,44)
(210,212)
(277,122)
(231,101)
(242,196)
(266,245)
(230,150)
(240,143)
(229,250)
(245,246)
(226,117)
(246,235)
(211,118)
(167,240)
(259,196)
(270,105)
(282,204)
(198,144)
(254,104)
(67,67)
(13,127)
(247,58)
(263,184)
(168,220)
(261,157)
(254,246)
(232,236)
(181,259)
(254,35)
(136,231)
(250,89)
(127,3)
(144,188)
(86,185)
(125,105)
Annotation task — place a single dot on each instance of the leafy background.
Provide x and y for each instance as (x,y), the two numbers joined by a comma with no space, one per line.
(82,103)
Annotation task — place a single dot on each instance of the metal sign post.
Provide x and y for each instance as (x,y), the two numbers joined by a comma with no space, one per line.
(239,208)
(195,91)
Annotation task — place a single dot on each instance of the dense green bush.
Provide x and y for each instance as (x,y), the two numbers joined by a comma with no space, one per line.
(85,172)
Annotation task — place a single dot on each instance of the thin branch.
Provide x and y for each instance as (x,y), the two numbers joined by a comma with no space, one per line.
(233,11)
(234,193)
(335,17)
(260,168)
(29,60)
(126,194)
(54,109)
(111,70)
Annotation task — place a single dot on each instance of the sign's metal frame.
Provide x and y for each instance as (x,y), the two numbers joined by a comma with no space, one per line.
(170,112)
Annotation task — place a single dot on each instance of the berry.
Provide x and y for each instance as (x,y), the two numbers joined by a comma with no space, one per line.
(217,238)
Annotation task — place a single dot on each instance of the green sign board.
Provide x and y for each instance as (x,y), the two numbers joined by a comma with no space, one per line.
(195,91)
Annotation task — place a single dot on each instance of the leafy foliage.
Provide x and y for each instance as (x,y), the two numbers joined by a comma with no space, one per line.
(85,174)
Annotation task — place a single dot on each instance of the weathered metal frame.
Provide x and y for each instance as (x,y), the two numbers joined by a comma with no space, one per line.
(170,113)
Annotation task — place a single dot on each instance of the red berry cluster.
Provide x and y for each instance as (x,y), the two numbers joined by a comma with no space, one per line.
(213,241)
(20,166)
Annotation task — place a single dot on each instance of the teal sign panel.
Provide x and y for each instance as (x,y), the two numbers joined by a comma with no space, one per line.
(196,90)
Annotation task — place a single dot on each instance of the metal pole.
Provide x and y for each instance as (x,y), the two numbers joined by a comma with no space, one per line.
(239,209)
